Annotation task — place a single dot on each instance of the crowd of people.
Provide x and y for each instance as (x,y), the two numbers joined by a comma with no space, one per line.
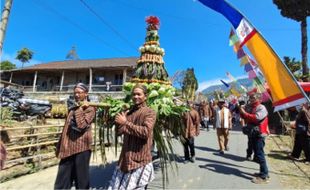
(135,169)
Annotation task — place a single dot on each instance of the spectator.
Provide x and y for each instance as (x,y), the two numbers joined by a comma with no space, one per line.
(222,124)
(108,84)
(192,123)
(205,113)
(257,118)
(250,148)
(302,135)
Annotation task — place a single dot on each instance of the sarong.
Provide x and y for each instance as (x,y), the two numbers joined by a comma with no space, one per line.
(135,179)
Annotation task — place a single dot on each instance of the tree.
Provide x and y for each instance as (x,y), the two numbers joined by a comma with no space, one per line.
(190,84)
(24,55)
(294,66)
(7,65)
(297,10)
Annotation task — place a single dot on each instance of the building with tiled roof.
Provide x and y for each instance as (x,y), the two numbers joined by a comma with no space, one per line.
(98,74)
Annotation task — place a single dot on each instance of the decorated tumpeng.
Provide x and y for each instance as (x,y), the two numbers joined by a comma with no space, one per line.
(150,66)
(151,72)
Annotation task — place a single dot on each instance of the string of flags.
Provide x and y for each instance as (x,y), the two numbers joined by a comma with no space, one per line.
(250,66)
(284,88)
(232,89)
(236,86)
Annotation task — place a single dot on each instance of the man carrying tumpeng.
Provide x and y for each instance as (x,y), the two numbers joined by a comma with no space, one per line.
(74,146)
(256,118)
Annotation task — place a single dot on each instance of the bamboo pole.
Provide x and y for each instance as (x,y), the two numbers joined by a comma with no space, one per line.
(31,127)
(33,135)
(31,145)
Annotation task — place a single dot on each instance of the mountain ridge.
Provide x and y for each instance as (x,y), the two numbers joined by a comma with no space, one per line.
(247,83)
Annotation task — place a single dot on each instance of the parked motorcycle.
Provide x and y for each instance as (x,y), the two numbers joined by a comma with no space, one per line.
(23,108)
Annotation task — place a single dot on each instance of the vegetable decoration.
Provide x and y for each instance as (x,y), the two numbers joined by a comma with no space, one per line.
(151,72)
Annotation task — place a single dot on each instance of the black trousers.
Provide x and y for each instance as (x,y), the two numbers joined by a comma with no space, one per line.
(205,124)
(250,149)
(189,147)
(74,168)
(302,142)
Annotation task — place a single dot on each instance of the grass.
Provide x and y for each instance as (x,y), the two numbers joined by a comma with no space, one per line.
(292,174)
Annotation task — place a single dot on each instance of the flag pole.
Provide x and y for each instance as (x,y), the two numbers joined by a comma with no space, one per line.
(285,66)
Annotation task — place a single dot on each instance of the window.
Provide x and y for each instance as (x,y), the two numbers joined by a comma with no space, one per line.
(118,79)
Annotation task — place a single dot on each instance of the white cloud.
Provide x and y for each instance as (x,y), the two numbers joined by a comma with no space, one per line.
(241,77)
(11,57)
(205,84)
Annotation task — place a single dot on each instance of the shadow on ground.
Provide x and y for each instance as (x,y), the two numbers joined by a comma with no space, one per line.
(280,155)
(231,156)
(203,148)
(222,169)
(101,175)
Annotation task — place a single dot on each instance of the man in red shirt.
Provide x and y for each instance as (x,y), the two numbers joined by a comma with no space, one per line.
(256,118)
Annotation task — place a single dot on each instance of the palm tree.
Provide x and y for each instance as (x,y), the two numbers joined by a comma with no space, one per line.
(298,10)
(24,55)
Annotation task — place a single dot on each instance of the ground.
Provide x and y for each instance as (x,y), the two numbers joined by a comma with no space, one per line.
(292,174)
(210,171)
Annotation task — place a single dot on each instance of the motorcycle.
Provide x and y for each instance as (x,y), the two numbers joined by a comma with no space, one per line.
(23,108)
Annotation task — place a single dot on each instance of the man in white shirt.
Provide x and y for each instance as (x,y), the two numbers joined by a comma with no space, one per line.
(222,124)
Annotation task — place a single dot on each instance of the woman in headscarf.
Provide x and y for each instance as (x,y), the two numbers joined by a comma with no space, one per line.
(135,169)
(74,146)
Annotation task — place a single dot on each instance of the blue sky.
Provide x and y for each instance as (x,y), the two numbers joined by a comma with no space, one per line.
(191,34)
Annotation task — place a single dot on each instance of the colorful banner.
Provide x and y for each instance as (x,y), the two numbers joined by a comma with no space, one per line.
(233,38)
(248,67)
(284,88)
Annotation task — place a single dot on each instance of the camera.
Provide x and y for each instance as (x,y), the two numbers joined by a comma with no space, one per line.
(241,103)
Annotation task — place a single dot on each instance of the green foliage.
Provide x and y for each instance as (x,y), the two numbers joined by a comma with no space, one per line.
(189,85)
(169,118)
(115,106)
(24,55)
(298,10)
(160,99)
(294,9)
(7,65)
(296,68)
(218,94)
(6,115)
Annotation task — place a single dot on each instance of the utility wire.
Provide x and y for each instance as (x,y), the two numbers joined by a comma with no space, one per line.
(126,4)
(108,25)
(165,14)
(50,9)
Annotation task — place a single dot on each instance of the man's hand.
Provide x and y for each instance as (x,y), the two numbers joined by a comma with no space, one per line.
(120,118)
(241,109)
(85,104)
